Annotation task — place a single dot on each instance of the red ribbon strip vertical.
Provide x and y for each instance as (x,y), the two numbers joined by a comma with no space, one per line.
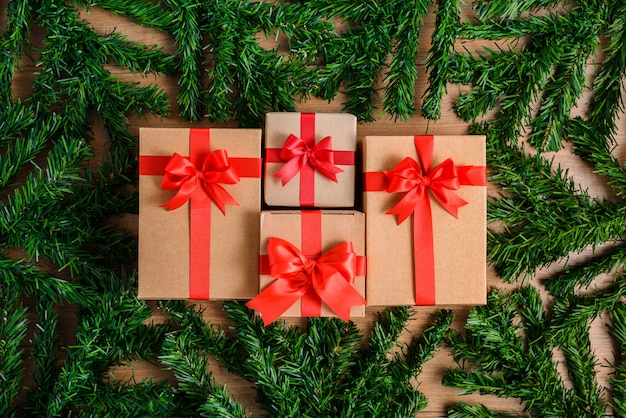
(311,231)
(418,182)
(200,222)
(307,174)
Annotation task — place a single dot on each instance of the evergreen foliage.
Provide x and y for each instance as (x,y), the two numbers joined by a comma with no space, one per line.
(56,200)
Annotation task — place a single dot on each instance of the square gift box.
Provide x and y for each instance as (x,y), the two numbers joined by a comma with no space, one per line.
(425,205)
(309,159)
(199,205)
(312,263)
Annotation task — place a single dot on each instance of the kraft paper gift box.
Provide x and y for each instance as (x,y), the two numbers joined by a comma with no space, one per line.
(312,264)
(310,159)
(419,252)
(199,205)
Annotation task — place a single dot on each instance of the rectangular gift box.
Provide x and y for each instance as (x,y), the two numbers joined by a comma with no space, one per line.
(431,257)
(195,251)
(294,180)
(315,232)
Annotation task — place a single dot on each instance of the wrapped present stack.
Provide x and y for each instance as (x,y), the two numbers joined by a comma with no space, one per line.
(203,234)
(312,258)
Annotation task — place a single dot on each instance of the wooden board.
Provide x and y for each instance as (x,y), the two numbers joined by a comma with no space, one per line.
(429,381)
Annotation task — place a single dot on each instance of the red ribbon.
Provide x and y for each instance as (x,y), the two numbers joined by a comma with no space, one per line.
(329,277)
(196,179)
(416,181)
(200,182)
(298,154)
(302,155)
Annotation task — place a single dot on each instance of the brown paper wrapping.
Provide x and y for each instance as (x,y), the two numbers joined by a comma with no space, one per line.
(341,127)
(164,234)
(337,226)
(459,244)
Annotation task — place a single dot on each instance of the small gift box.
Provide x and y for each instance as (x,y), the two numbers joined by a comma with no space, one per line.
(199,205)
(312,264)
(309,159)
(425,203)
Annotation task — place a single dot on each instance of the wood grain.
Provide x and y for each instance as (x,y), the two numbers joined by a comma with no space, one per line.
(429,381)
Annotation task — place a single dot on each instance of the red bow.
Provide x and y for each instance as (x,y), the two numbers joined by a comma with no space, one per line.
(191,181)
(409,177)
(329,277)
(297,154)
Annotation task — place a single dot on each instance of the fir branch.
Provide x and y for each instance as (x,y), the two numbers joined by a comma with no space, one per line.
(607,100)
(572,310)
(581,364)
(128,399)
(574,278)
(245,80)
(438,60)
(13,43)
(145,13)
(541,203)
(514,82)
(359,56)
(496,29)
(200,392)
(13,324)
(323,371)
(567,82)
(32,282)
(425,345)
(594,146)
(617,329)
(503,9)
(186,20)
(45,353)
(464,410)
(109,333)
(23,138)
(134,56)
(512,359)
(399,95)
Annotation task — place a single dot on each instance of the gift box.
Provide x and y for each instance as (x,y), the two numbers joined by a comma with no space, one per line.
(312,263)
(199,205)
(309,159)
(425,206)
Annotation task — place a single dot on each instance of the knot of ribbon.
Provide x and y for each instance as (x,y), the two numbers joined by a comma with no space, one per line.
(297,153)
(329,276)
(201,183)
(415,181)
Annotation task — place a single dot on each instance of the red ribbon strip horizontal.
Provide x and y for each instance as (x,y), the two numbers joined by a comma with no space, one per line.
(154,165)
(360,268)
(417,182)
(340,157)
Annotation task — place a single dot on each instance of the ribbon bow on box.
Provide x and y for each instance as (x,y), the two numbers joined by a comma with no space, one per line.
(200,183)
(298,154)
(328,276)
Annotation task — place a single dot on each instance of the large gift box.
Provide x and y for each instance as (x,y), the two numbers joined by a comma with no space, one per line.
(425,202)
(312,264)
(310,159)
(199,205)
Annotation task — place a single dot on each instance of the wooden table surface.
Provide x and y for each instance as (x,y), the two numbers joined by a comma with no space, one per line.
(429,381)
